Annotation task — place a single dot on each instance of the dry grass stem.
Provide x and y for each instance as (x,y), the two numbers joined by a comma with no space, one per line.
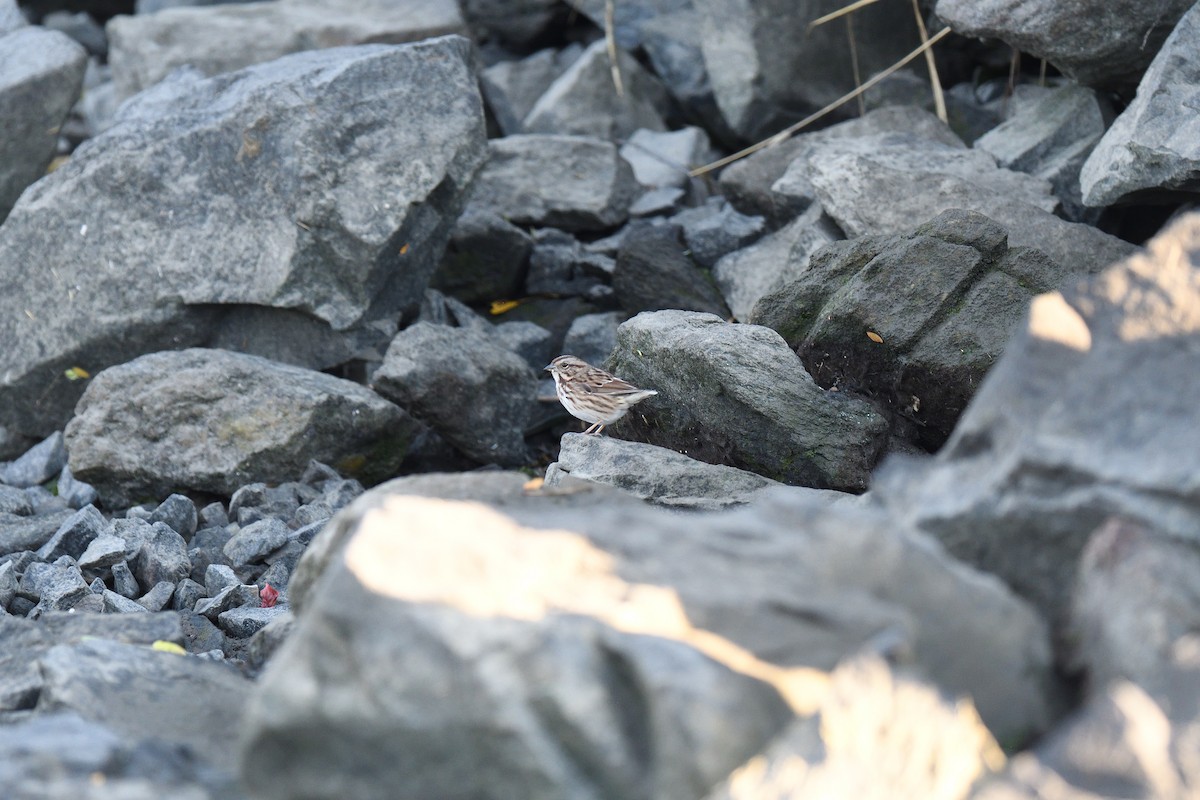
(935,82)
(850,9)
(862,103)
(787,132)
(610,42)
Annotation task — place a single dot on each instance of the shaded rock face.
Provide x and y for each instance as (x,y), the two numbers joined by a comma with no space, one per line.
(211,420)
(1103,44)
(556,629)
(737,395)
(275,203)
(1150,151)
(1040,431)
(913,322)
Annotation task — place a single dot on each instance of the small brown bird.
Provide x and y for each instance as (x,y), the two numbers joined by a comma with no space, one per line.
(591,394)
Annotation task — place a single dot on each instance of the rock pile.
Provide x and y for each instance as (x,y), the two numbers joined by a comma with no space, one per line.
(913,513)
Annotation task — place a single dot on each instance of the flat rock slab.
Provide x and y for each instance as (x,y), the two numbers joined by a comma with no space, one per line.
(285,203)
(145,48)
(213,421)
(738,395)
(1153,147)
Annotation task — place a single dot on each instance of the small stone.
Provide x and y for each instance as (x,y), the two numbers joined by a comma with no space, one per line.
(256,540)
(45,501)
(124,583)
(179,512)
(103,551)
(228,598)
(213,515)
(157,598)
(74,536)
(58,586)
(256,501)
(8,583)
(217,578)
(244,622)
(200,635)
(39,464)
(316,474)
(187,594)
(163,556)
(116,604)
(15,501)
(75,492)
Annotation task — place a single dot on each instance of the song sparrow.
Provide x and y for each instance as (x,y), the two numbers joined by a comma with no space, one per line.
(591,394)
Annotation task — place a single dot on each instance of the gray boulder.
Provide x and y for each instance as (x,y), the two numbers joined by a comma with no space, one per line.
(1152,150)
(576,183)
(1096,42)
(145,48)
(654,271)
(512,87)
(738,395)
(1063,433)
(593,337)
(916,321)
(495,619)
(882,184)
(663,476)
(1050,135)
(41,73)
(279,210)
(195,420)
(519,22)
(11,17)
(754,49)
(766,266)
(473,392)
(486,259)
(583,100)
(716,229)
(38,464)
(663,158)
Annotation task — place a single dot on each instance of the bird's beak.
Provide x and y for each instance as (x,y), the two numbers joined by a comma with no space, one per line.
(547,368)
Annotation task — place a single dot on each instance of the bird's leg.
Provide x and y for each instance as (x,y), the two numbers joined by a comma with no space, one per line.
(593,428)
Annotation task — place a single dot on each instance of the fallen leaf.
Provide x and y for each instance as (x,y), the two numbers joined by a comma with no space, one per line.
(164,646)
(874,337)
(501,306)
(77,374)
(268,594)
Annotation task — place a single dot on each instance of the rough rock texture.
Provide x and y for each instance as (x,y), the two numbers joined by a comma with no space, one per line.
(747,275)
(882,184)
(941,303)
(211,420)
(1102,43)
(517,634)
(658,474)
(878,734)
(737,395)
(1152,148)
(590,187)
(754,49)
(512,87)
(1049,134)
(476,394)
(278,206)
(1032,469)
(655,271)
(144,48)
(486,259)
(583,100)
(41,73)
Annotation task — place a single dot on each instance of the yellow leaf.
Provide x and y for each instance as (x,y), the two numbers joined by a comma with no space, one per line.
(874,337)
(168,647)
(404,249)
(77,374)
(502,306)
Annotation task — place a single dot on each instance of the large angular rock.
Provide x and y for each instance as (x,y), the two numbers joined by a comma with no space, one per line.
(41,73)
(915,321)
(497,618)
(475,393)
(212,421)
(1064,433)
(1050,135)
(754,49)
(583,100)
(512,87)
(738,395)
(1152,151)
(882,184)
(588,188)
(281,208)
(145,48)
(1099,43)
(751,183)
(655,271)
